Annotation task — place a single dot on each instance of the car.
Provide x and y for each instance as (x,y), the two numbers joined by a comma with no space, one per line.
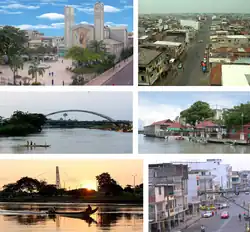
(200,41)
(207,214)
(247,193)
(225,205)
(180,66)
(224,215)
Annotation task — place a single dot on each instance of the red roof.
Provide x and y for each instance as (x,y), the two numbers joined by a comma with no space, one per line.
(163,122)
(205,124)
(176,125)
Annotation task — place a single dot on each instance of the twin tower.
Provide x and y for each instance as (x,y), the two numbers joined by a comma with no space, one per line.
(69,22)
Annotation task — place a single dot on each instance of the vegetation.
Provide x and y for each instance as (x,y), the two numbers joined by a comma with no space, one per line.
(198,112)
(126,53)
(21,124)
(12,46)
(34,69)
(30,189)
(231,118)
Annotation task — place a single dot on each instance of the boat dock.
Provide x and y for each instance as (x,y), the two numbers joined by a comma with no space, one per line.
(230,141)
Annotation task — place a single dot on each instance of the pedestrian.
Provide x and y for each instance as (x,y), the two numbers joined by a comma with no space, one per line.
(63,83)
(52,81)
(62,61)
(49,73)
(52,73)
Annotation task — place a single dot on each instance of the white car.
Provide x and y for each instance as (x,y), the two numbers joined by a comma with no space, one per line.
(247,193)
(207,214)
(225,205)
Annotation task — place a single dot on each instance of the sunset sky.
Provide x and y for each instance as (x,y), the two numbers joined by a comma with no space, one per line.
(73,173)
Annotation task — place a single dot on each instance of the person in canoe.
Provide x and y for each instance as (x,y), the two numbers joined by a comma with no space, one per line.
(89,209)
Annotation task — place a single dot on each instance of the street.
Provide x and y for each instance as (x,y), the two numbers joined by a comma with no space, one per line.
(192,74)
(122,77)
(216,224)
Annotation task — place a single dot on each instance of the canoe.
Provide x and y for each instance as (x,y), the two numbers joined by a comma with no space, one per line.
(31,146)
(82,214)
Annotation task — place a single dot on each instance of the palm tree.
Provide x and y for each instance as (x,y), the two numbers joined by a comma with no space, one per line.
(15,63)
(97,46)
(65,116)
(34,69)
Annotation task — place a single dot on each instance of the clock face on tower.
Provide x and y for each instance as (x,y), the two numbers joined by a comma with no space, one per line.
(97,7)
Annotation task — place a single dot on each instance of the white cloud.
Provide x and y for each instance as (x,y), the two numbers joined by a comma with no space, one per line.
(20,6)
(41,26)
(10,12)
(150,112)
(115,24)
(128,7)
(107,9)
(85,22)
(51,16)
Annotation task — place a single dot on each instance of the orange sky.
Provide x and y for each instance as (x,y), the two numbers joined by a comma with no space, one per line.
(73,173)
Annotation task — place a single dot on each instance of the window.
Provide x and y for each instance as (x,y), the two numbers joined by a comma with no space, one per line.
(143,78)
(159,190)
(198,182)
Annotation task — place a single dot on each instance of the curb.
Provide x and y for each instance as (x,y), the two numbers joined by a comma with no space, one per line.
(193,223)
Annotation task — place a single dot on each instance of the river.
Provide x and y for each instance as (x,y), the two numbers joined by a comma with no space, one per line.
(119,218)
(149,145)
(78,141)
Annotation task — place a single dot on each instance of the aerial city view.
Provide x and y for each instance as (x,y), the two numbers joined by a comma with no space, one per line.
(194,122)
(66,122)
(66,43)
(180,45)
(67,195)
(199,195)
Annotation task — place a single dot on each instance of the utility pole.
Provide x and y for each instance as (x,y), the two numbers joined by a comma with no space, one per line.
(134,176)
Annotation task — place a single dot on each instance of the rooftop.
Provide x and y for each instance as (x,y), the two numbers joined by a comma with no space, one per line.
(111,41)
(147,55)
(167,43)
(143,37)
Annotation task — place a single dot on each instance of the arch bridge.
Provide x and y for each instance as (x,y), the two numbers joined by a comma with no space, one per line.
(82,111)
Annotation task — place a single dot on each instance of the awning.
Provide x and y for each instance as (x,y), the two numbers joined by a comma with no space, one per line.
(174,129)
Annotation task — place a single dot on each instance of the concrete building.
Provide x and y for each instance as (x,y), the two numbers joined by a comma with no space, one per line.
(168,185)
(190,23)
(99,21)
(222,172)
(245,179)
(232,41)
(151,66)
(114,38)
(33,34)
(69,21)
(236,182)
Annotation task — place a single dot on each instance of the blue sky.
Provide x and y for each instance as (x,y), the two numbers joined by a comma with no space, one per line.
(156,106)
(47,15)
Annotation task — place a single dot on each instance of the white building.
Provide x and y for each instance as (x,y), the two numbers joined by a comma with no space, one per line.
(69,21)
(190,23)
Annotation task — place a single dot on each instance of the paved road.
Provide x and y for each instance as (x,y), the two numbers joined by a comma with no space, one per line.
(122,77)
(215,224)
(192,74)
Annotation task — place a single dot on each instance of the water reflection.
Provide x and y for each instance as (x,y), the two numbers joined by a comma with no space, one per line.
(107,218)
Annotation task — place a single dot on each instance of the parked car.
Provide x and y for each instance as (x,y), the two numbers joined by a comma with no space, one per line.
(247,193)
(207,214)
(225,205)
(200,41)
(224,215)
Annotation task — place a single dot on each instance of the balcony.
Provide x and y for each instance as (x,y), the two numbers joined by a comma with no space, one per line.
(162,215)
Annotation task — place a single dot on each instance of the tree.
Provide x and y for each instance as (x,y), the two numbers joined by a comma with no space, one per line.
(48,190)
(15,63)
(34,69)
(28,184)
(103,179)
(128,189)
(197,112)
(237,116)
(97,46)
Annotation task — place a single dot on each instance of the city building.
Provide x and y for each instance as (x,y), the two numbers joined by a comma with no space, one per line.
(236,181)
(115,39)
(152,66)
(69,22)
(33,34)
(168,189)
(190,23)
(245,179)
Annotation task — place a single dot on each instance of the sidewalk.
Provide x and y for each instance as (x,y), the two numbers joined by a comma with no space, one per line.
(190,221)
(104,77)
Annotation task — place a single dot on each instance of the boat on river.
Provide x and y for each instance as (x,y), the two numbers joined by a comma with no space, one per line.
(35,145)
(81,215)
(179,138)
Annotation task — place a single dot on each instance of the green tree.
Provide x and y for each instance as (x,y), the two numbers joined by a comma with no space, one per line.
(197,112)
(15,63)
(237,116)
(97,46)
(35,70)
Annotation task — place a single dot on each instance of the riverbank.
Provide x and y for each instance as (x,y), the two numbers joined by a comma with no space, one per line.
(65,199)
